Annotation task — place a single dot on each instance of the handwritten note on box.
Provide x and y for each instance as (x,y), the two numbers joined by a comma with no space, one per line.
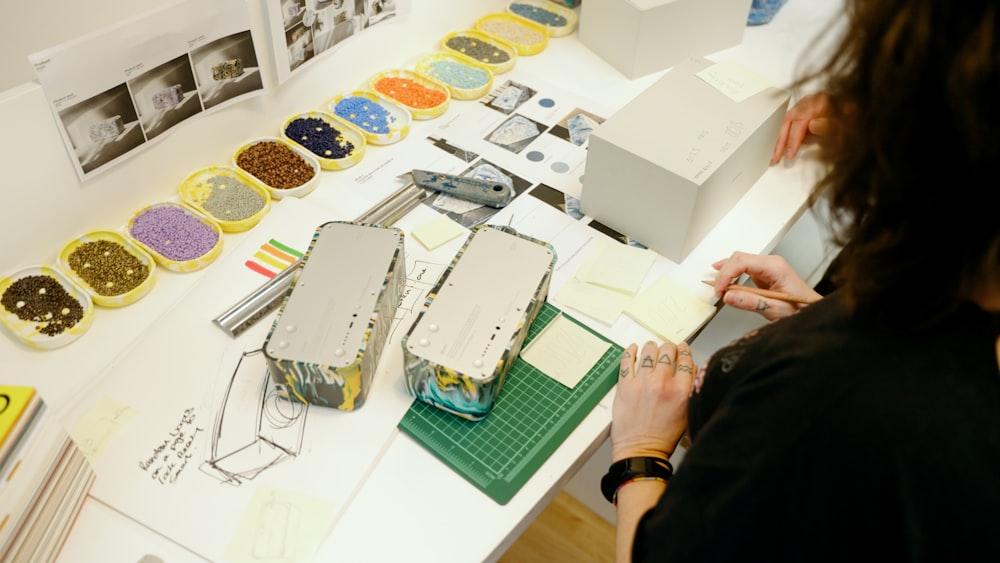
(734,80)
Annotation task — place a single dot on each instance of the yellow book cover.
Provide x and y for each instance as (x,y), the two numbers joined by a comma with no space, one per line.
(14,402)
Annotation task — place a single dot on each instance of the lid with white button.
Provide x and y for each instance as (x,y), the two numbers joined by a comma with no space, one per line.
(327,317)
(482,304)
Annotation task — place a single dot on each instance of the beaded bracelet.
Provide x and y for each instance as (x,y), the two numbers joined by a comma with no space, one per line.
(614,500)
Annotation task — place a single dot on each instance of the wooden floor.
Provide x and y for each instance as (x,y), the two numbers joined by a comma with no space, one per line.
(566,531)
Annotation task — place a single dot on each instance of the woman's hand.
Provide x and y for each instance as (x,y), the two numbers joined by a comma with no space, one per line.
(649,414)
(808,117)
(767,272)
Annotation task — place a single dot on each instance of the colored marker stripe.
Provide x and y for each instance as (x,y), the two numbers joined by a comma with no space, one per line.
(272,258)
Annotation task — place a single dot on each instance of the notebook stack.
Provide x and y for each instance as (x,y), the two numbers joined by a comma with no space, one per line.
(44,478)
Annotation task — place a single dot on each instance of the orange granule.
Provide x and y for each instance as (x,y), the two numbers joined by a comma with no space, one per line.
(410,92)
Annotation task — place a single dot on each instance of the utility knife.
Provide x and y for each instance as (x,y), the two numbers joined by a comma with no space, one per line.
(493,194)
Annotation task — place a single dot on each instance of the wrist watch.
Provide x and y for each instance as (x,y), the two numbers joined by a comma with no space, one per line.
(631,468)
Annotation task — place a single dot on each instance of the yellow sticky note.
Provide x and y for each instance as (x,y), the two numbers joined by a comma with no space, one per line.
(99,425)
(616,266)
(436,232)
(596,301)
(282,526)
(565,351)
(734,80)
(669,310)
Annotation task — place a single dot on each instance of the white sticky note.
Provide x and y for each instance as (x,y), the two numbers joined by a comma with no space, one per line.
(565,351)
(734,80)
(616,266)
(280,526)
(595,301)
(99,425)
(436,232)
(669,310)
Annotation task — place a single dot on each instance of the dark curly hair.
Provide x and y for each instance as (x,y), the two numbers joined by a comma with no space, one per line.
(913,154)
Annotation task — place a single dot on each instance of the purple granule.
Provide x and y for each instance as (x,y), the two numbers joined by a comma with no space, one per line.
(174,233)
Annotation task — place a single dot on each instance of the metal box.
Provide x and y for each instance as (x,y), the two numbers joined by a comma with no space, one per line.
(458,352)
(326,342)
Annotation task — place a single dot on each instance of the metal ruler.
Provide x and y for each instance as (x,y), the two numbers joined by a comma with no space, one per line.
(532,416)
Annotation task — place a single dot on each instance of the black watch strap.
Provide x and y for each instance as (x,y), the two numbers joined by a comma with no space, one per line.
(633,468)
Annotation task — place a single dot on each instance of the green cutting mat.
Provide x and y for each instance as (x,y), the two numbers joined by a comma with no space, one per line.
(532,415)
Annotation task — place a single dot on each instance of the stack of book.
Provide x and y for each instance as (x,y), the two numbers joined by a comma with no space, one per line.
(44,478)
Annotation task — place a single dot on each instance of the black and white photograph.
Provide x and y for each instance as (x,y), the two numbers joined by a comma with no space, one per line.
(311,27)
(576,127)
(226,68)
(165,96)
(516,133)
(507,97)
(103,128)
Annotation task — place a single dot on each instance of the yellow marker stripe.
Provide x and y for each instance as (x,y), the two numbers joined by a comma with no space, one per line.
(270,260)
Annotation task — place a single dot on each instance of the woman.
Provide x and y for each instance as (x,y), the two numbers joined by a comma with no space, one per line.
(865,426)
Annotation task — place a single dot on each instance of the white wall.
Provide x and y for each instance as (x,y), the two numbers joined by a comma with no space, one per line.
(27,27)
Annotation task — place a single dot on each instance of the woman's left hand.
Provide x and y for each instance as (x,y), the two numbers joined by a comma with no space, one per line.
(649,414)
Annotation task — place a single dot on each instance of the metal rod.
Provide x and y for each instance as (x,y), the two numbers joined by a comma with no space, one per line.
(266,298)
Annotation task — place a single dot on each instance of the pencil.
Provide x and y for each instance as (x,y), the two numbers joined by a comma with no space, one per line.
(780,295)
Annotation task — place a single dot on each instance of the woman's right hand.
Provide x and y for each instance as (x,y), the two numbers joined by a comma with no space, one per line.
(767,272)
(807,118)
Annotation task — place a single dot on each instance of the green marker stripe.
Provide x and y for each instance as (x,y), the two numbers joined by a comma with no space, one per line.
(285,248)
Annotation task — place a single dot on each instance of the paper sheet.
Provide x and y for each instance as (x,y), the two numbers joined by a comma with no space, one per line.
(437,231)
(565,351)
(599,302)
(116,91)
(616,266)
(669,310)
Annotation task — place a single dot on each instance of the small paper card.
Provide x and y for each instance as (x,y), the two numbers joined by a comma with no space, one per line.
(565,351)
(436,232)
(669,310)
(616,266)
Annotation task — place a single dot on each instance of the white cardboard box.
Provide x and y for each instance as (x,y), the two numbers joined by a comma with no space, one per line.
(666,167)
(639,37)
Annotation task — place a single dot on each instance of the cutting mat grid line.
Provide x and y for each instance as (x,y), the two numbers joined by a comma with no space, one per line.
(532,415)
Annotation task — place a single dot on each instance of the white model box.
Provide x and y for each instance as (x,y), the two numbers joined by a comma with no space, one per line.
(639,37)
(666,167)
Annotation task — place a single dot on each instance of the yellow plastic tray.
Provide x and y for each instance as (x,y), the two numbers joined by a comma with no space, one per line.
(421,80)
(196,189)
(28,331)
(400,117)
(500,46)
(278,193)
(183,265)
(527,37)
(131,247)
(542,12)
(348,132)
(426,66)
